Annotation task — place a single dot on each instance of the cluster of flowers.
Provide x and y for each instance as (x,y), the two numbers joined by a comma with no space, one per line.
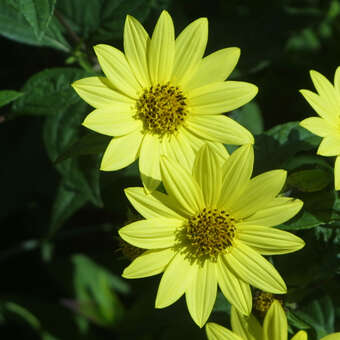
(164,102)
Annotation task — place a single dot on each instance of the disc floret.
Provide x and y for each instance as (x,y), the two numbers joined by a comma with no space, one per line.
(162,109)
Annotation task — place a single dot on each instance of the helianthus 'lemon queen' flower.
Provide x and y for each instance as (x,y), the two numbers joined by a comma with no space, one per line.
(162,97)
(275,327)
(327,104)
(210,229)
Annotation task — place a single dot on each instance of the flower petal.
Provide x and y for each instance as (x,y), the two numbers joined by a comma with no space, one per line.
(175,280)
(251,267)
(236,174)
(98,92)
(181,186)
(275,323)
(208,175)
(190,46)
(201,293)
(321,106)
(115,120)
(337,79)
(151,262)
(247,327)
(302,335)
(216,67)
(269,241)
(217,332)
(236,291)
(218,128)
(161,52)
(151,205)
(116,68)
(116,157)
(337,173)
(149,162)
(329,146)
(333,336)
(260,191)
(319,126)
(153,233)
(277,211)
(220,97)
(136,40)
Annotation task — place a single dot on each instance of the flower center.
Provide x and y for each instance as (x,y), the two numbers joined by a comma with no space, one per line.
(209,233)
(263,300)
(162,108)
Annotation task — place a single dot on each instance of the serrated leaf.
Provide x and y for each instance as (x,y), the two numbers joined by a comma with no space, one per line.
(8,96)
(13,25)
(310,180)
(48,91)
(250,117)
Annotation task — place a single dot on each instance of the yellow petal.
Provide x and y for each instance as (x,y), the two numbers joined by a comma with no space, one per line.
(217,332)
(116,157)
(216,67)
(302,335)
(337,173)
(326,90)
(161,52)
(260,191)
(251,267)
(176,278)
(269,241)
(218,128)
(329,146)
(98,92)
(220,151)
(115,120)
(220,97)
(337,79)
(182,147)
(236,174)
(117,69)
(149,162)
(151,262)
(208,175)
(333,336)
(190,46)
(182,187)
(319,126)
(153,233)
(201,293)
(277,211)
(236,291)
(151,205)
(247,327)
(136,40)
(275,323)
(321,106)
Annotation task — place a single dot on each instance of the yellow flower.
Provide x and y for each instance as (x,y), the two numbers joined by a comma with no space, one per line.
(327,104)
(275,327)
(162,97)
(210,229)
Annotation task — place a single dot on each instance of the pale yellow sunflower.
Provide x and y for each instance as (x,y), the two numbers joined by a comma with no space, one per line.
(210,230)
(326,103)
(163,97)
(275,327)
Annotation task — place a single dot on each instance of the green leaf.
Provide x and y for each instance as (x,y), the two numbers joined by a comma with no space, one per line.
(94,289)
(280,144)
(310,180)
(319,314)
(14,25)
(8,96)
(250,117)
(66,203)
(103,20)
(38,14)
(295,321)
(91,143)
(48,91)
